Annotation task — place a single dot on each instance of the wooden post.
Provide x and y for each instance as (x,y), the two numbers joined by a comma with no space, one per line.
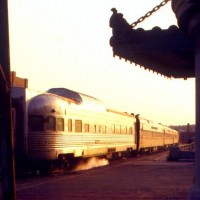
(6,130)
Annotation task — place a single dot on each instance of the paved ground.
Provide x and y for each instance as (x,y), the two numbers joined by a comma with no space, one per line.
(147,178)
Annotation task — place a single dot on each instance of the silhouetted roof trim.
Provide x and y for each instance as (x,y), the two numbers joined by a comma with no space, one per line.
(169,52)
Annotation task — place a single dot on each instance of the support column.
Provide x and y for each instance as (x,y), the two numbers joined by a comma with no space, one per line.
(188,17)
(195,190)
(6,130)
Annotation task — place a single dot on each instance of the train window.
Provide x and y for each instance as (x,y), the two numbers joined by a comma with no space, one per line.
(117,129)
(35,123)
(69,125)
(104,129)
(99,128)
(50,123)
(95,128)
(60,124)
(109,129)
(123,129)
(86,127)
(153,127)
(130,130)
(78,125)
(113,129)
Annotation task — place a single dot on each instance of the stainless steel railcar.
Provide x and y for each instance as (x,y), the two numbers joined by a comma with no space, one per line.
(60,127)
(63,124)
(153,136)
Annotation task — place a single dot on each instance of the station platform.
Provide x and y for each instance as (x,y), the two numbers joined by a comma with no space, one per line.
(149,177)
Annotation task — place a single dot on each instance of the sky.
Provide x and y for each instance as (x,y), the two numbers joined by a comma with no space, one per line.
(62,43)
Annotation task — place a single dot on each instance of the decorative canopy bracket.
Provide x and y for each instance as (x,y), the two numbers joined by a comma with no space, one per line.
(169,52)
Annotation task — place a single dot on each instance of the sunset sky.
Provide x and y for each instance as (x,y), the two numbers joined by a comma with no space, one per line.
(61,43)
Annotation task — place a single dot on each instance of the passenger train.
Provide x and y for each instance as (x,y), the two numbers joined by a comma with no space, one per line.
(63,124)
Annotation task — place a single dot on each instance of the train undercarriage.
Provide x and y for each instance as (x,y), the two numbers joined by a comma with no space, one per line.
(67,162)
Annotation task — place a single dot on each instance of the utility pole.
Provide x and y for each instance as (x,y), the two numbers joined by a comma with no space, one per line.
(6,130)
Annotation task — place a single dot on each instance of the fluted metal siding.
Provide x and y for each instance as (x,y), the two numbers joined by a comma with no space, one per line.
(69,142)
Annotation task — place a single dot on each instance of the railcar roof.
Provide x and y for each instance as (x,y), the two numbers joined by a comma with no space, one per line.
(47,103)
(83,99)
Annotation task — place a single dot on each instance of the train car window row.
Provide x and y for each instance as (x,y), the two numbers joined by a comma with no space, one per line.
(79,126)
(50,123)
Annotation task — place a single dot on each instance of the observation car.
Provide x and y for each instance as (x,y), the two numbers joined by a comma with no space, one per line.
(69,124)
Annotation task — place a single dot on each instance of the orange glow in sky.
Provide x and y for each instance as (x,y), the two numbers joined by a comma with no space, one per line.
(60,43)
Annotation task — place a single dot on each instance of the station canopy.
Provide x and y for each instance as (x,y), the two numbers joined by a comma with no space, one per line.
(169,52)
